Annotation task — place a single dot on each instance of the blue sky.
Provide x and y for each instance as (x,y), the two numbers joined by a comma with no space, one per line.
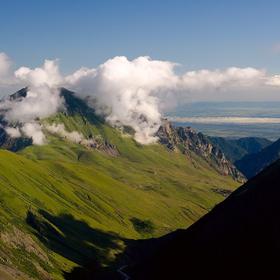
(197,34)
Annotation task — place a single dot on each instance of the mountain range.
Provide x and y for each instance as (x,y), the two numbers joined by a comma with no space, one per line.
(78,199)
(93,203)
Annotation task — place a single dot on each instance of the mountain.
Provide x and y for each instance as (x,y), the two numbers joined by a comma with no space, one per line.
(179,139)
(235,149)
(238,239)
(250,165)
(69,204)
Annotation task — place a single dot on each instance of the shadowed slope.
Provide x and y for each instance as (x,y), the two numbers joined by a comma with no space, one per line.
(238,239)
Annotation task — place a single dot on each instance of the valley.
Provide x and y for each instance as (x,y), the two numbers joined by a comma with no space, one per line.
(139,140)
(65,205)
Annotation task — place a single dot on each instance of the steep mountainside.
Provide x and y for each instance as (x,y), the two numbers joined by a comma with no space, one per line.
(238,239)
(251,165)
(235,149)
(73,203)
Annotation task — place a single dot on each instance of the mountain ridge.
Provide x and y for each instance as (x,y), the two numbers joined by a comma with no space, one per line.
(64,205)
(187,140)
(181,139)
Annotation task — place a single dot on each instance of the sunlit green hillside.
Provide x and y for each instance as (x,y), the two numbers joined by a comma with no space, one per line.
(64,205)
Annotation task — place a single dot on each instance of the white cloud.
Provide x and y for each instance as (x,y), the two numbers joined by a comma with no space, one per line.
(13,132)
(274,81)
(72,136)
(34,131)
(222,79)
(127,92)
(39,103)
(135,92)
(48,75)
(42,98)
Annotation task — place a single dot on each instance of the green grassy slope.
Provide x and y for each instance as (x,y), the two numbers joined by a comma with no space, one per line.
(62,204)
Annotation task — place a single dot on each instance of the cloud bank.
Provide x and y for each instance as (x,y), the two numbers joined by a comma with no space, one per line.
(126,92)
(225,120)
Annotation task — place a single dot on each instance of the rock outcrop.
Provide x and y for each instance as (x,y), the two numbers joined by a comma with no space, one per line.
(188,141)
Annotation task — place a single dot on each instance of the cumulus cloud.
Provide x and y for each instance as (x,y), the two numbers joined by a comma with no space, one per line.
(42,99)
(47,75)
(274,81)
(218,79)
(127,92)
(134,93)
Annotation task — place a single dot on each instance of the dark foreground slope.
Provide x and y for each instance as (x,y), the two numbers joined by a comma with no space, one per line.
(238,239)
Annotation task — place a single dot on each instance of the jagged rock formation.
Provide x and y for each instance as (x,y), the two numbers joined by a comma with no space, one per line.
(187,140)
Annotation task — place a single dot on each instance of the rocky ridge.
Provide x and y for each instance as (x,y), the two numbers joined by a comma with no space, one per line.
(188,141)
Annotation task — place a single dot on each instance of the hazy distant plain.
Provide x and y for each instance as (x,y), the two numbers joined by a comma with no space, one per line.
(231,119)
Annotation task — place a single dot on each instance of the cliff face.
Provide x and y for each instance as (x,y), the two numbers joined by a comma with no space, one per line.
(187,140)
